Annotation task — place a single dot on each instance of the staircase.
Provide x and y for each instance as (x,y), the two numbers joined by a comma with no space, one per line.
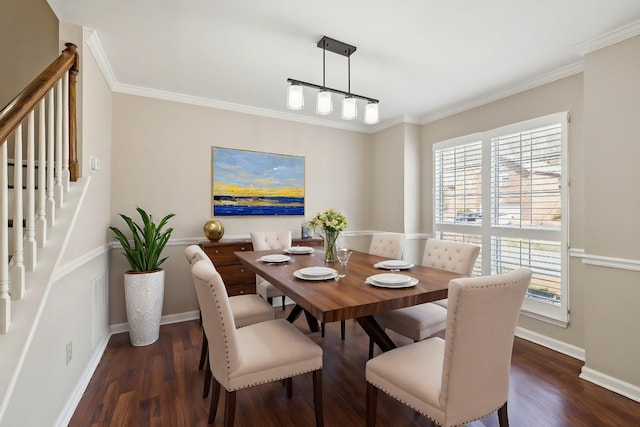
(38,128)
(40,195)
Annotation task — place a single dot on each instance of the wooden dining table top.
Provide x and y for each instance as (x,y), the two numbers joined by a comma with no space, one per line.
(350,297)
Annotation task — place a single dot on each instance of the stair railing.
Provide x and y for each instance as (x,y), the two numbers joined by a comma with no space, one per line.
(53,95)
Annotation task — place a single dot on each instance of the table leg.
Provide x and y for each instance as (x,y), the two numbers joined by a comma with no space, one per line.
(376,333)
(295,313)
(311,321)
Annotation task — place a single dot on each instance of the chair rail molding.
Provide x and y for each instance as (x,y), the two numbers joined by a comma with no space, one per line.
(605,261)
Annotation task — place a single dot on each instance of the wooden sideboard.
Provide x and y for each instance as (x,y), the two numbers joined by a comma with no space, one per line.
(238,279)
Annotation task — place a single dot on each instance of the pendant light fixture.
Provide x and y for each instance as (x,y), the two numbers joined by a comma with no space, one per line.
(324,103)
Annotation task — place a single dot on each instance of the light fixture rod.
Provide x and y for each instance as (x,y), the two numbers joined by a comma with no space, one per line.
(348,74)
(338,91)
(324,54)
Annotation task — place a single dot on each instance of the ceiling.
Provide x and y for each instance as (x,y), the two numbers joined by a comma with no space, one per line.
(422,59)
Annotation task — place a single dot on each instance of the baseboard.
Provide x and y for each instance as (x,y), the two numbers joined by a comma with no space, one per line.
(553,344)
(610,383)
(81,386)
(164,320)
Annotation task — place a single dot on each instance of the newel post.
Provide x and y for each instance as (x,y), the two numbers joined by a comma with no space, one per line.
(74,172)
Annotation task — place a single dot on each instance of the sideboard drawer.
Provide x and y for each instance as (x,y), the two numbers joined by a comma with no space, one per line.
(246,289)
(224,254)
(237,278)
(236,274)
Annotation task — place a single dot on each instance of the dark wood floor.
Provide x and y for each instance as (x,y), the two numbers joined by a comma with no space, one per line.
(160,385)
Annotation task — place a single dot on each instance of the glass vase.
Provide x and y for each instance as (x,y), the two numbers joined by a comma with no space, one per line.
(330,238)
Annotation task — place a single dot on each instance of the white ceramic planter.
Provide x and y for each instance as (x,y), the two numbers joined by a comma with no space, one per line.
(144,294)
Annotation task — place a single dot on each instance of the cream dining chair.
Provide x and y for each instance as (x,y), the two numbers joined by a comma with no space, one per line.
(246,309)
(464,377)
(387,244)
(421,321)
(255,354)
(264,241)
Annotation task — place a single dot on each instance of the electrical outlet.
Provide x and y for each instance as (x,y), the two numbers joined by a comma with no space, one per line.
(69,351)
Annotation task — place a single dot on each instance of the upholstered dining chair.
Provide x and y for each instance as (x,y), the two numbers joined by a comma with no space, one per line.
(464,377)
(247,309)
(256,354)
(387,244)
(264,241)
(421,321)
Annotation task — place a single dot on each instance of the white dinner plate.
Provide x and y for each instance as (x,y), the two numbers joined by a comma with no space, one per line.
(331,275)
(391,279)
(408,284)
(274,258)
(316,271)
(394,264)
(299,250)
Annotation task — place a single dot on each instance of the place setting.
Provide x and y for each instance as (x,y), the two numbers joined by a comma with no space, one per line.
(299,250)
(316,273)
(391,280)
(274,259)
(394,265)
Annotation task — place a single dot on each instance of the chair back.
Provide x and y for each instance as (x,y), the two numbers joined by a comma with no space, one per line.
(481,322)
(194,253)
(457,257)
(217,320)
(266,240)
(389,245)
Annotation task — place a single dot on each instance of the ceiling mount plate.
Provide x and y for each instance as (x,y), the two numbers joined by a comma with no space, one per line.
(336,46)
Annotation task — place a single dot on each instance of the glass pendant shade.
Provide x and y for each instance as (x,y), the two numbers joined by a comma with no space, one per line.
(349,109)
(324,105)
(295,97)
(371,114)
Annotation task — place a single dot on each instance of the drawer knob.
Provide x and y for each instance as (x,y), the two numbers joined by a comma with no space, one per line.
(242,249)
(217,251)
(241,292)
(242,270)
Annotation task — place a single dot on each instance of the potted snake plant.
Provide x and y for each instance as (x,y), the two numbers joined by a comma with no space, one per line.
(144,282)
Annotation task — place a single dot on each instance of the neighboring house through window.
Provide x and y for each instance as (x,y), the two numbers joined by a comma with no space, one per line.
(506,189)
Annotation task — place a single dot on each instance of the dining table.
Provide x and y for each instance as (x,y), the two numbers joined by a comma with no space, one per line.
(351,296)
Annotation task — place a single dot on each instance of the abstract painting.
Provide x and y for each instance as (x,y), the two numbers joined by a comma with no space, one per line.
(255,183)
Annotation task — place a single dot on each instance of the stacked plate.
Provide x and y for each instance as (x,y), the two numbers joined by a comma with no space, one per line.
(299,250)
(394,264)
(391,280)
(275,258)
(315,273)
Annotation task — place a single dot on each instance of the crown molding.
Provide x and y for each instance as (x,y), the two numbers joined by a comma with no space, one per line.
(238,108)
(607,39)
(95,47)
(540,80)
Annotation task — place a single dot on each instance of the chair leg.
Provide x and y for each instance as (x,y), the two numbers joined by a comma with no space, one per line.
(204,351)
(322,330)
(207,382)
(372,402)
(370,348)
(342,330)
(283,297)
(229,408)
(317,397)
(213,409)
(503,419)
(289,384)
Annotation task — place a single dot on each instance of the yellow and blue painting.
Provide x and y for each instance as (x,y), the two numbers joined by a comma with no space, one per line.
(254,183)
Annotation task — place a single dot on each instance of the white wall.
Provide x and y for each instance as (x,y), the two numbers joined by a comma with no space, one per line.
(612,175)
(73,312)
(162,163)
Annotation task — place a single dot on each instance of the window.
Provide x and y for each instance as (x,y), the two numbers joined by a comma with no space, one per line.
(506,189)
